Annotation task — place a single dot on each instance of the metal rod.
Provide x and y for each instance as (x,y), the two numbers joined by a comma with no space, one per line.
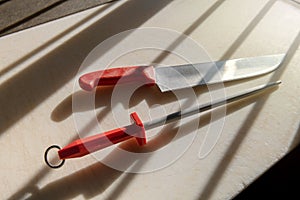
(185,113)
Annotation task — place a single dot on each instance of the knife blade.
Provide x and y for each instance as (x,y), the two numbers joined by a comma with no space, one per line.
(183,76)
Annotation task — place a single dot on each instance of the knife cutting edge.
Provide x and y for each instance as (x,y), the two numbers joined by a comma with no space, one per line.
(84,146)
(183,76)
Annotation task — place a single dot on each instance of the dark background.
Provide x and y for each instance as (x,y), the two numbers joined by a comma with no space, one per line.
(281,181)
(16,15)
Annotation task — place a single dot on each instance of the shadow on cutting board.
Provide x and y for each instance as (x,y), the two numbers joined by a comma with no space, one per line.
(39,71)
(60,65)
(95,179)
(224,163)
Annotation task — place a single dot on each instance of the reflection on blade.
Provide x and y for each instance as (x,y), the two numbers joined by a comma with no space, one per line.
(190,75)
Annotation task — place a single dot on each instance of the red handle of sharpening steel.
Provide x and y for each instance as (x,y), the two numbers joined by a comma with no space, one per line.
(87,145)
(123,75)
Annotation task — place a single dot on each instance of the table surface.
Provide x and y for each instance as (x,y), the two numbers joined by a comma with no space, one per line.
(38,85)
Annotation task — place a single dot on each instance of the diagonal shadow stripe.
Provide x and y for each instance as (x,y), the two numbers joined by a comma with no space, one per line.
(30,185)
(87,39)
(23,92)
(248,30)
(249,121)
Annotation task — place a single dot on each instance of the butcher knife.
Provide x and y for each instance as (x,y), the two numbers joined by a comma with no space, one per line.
(183,76)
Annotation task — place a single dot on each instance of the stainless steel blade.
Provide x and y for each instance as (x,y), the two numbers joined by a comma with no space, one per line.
(190,75)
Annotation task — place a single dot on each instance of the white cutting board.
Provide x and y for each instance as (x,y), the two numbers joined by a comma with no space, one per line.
(39,69)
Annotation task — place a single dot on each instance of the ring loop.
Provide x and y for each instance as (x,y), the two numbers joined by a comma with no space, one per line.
(46,157)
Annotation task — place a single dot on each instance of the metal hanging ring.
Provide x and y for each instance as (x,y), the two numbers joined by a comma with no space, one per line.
(46,157)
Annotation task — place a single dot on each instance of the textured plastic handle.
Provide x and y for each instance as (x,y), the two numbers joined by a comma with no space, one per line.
(87,145)
(123,75)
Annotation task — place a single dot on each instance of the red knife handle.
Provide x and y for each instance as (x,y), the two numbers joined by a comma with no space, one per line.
(87,145)
(123,75)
